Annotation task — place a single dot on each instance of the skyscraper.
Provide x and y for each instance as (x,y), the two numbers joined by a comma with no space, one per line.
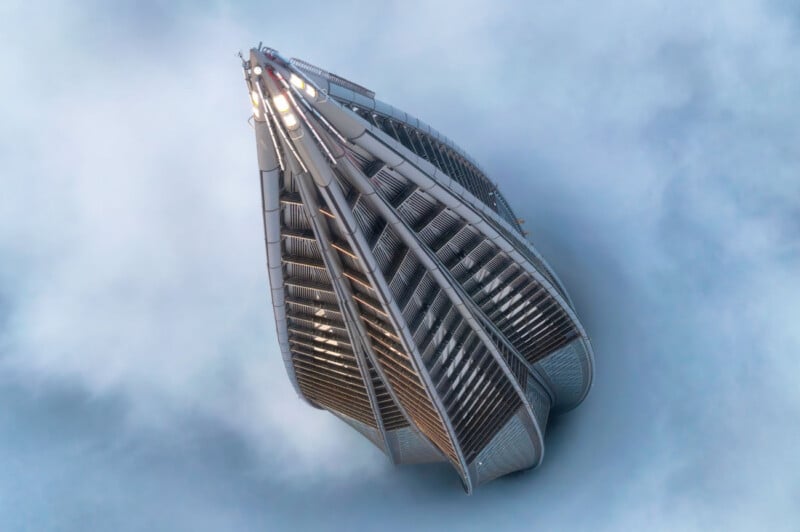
(407,299)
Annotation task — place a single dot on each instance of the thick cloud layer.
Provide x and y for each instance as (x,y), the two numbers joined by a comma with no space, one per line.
(652,150)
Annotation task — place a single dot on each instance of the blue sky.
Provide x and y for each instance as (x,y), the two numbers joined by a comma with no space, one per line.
(652,147)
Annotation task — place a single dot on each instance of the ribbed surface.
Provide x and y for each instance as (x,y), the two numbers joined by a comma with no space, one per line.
(368,432)
(325,365)
(412,448)
(566,369)
(477,397)
(522,310)
(412,312)
(509,450)
(395,361)
(443,157)
(539,400)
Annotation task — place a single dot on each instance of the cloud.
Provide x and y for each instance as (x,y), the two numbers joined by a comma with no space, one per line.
(133,232)
(650,149)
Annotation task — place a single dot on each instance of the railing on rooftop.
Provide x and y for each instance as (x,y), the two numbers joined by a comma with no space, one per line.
(446,159)
(346,83)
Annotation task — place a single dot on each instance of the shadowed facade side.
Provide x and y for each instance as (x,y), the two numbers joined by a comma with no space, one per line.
(407,299)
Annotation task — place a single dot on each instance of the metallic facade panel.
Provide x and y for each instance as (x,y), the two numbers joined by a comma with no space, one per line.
(371,433)
(567,370)
(407,300)
(413,448)
(509,450)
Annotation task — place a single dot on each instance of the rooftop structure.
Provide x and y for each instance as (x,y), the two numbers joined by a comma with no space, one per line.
(407,299)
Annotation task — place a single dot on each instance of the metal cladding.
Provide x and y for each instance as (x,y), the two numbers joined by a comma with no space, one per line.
(407,299)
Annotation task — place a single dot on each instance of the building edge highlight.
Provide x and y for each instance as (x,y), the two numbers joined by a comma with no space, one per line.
(407,298)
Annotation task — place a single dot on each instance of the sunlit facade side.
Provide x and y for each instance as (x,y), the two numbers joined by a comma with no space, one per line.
(407,299)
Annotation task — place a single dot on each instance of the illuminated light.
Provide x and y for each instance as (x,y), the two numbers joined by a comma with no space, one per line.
(296,81)
(254,97)
(289,120)
(311,91)
(281,103)
(257,70)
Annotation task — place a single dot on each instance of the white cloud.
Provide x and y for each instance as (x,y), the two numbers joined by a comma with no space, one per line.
(132,230)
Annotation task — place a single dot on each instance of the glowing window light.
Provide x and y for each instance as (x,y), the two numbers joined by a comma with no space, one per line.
(295,80)
(289,120)
(281,103)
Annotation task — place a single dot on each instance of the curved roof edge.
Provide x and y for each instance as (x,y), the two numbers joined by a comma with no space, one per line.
(364,97)
(364,100)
